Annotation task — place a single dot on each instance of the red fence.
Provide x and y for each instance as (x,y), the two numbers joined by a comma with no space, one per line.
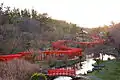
(13,56)
(61,72)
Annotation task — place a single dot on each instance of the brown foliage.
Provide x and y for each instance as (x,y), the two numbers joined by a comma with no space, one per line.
(114,33)
(17,70)
(20,27)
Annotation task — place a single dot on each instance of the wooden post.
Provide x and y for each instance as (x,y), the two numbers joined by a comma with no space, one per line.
(80,58)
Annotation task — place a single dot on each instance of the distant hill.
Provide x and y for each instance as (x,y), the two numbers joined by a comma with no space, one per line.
(21,30)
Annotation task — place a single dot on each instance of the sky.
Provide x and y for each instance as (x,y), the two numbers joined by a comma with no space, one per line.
(84,13)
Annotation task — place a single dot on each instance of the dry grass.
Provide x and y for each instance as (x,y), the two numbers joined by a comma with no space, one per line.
(17,70)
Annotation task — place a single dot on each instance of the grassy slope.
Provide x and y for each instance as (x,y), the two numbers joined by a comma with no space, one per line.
(110,72)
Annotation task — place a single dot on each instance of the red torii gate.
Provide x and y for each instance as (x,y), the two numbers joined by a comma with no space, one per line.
(62,49)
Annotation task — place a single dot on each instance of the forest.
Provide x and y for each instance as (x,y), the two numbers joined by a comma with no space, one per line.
(28,28)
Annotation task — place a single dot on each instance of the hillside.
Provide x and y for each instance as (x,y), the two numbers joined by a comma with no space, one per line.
(24,29)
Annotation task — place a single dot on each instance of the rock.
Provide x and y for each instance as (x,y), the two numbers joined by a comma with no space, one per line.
(95,65)
(89,71)
(96,68)
(101,65)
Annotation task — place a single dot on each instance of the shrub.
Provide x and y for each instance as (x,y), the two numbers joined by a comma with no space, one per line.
(17,70)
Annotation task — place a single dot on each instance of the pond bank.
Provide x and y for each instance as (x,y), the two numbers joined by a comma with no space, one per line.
(111,71)
(86,65)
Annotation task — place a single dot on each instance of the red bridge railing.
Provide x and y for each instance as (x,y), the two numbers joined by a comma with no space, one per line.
(61,72)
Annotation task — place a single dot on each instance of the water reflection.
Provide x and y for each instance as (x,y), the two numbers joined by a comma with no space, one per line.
(87,65)
(105,57)
(63,78)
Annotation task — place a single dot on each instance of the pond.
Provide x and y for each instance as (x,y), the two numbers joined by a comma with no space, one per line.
(86,66)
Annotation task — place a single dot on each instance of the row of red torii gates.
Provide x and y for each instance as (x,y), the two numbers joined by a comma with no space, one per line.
(59,51)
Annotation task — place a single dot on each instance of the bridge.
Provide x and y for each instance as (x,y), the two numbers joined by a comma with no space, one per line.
(53,73)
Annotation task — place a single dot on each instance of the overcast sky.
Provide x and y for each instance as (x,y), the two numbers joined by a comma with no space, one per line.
(86,13)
